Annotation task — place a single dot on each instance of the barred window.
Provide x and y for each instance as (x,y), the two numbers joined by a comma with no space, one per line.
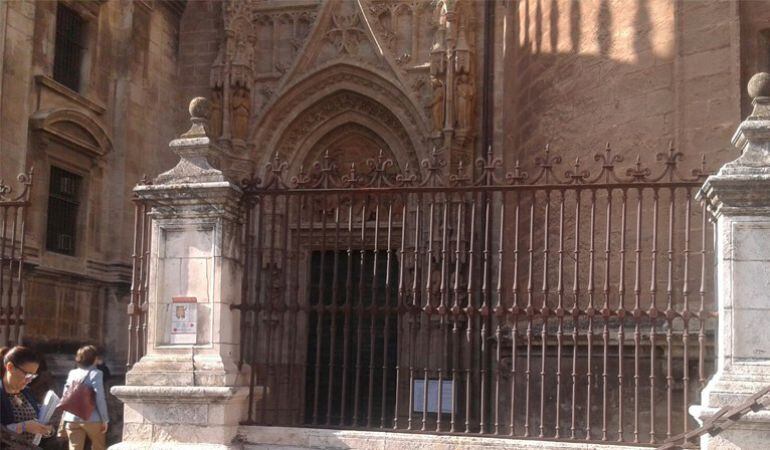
(63,204)
(68,54)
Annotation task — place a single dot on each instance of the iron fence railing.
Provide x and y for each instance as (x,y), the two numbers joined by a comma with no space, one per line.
(13,213)
(533,303)
(138,304)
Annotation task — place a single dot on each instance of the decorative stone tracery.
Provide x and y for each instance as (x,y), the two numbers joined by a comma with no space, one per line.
(414,58)
(338,116)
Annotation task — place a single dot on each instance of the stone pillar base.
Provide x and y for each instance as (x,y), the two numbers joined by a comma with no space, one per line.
(189,417)
(752,431)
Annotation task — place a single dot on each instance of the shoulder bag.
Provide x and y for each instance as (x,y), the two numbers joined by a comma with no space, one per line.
(80,399)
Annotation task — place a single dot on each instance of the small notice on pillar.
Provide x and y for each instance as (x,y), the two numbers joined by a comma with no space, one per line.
(184,320)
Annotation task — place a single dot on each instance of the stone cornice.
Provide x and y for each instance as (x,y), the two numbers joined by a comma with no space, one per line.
(207,199)
(178,394)
(68,93)
(736,194)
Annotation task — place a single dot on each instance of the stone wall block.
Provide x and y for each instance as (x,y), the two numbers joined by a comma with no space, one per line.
(173,413)
(187,240)
(751,240)
(751,281)
(131,415)
(750,340)
(223,414)
(137,432)
(192,434)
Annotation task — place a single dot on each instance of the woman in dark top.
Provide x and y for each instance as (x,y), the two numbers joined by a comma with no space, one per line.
(18,408)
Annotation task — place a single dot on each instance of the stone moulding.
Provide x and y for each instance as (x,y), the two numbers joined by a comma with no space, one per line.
(739,194)
(259,437)
(177,394)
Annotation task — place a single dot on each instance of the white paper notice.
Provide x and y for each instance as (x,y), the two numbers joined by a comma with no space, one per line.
(184,320)
(46,412)
(433,389)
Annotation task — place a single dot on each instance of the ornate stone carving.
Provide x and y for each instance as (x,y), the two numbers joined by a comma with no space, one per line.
(462,54)
(259,43)
(330,107)
(195,151)
(437,103)
(464,102)
(241,112)
(215,126)
(336,78)
(346,33)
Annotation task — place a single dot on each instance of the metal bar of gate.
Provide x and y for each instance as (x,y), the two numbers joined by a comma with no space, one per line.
(14,205)
(495,305)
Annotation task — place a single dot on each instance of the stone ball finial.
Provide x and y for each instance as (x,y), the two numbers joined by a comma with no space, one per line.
(759,85)
(200,108)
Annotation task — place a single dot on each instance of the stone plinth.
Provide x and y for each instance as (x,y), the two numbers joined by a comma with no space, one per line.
(739,198)
(187,391)
(165,417)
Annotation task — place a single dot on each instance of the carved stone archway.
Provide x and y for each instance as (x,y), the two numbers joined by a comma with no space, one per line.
(350,144)
(334,96)
(342,115)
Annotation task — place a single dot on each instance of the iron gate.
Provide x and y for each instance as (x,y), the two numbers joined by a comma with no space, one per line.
(13,214)
(533,303)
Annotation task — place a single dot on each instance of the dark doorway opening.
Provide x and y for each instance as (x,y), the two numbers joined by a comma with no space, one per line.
(352,340)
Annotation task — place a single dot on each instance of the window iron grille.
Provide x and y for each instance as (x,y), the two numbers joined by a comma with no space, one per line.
(68,53)
(63,206)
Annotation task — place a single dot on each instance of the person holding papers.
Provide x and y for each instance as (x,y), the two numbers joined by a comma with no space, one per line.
(95,426)
(18,408)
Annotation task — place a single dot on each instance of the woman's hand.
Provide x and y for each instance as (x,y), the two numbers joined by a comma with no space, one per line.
(104,427)
(35,427)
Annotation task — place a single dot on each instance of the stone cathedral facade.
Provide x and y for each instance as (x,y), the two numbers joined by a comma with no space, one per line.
(300,79)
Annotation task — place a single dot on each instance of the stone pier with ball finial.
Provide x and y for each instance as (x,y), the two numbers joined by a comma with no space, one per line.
(187,390)
(739,199)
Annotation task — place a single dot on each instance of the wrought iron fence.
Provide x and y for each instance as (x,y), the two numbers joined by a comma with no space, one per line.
(138,304)
(13,213)
(537,302)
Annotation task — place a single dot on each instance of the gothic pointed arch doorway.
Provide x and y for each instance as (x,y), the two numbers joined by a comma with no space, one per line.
(334,356)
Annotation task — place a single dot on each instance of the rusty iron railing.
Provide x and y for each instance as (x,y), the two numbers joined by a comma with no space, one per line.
(138,304)
(538,303)
(723,419)
(13,213)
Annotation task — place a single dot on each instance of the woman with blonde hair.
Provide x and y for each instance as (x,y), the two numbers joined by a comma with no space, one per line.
(94,427)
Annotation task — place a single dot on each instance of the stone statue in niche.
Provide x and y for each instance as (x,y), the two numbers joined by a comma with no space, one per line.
(241,108)
(437,104)
(464,102)
(215,125)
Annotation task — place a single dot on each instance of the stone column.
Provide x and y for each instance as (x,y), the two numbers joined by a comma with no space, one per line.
(187,391)
(739,197)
